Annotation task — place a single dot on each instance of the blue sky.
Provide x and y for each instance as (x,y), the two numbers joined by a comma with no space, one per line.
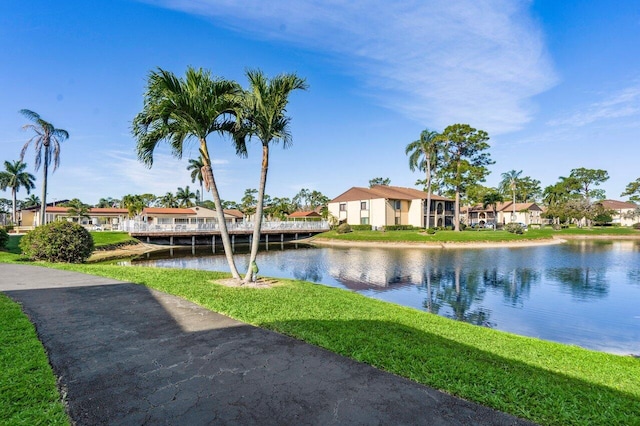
(556,84)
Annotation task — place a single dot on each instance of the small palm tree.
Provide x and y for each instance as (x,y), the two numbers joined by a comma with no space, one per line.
(77,209)
(265,107)
(168,200)
(492,198)
(15,177)
(423,156)
(510,181)
(178,110)
(47,138)
(195,166)
(31,201)
(184,197)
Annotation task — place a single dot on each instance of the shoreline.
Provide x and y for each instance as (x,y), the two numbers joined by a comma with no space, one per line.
(435,245)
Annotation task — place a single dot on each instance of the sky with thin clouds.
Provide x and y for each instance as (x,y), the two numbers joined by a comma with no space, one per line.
(556,84)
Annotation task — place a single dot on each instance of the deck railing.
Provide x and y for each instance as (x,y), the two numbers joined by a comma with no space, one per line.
(315,226)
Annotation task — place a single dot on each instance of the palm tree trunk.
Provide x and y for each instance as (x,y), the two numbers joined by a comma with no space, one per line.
(45,171)
(456,217)
(255,243)
(14,200)
(224,233)
(428,193)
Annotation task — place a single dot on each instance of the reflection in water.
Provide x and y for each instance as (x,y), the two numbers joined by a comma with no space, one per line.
(582,293)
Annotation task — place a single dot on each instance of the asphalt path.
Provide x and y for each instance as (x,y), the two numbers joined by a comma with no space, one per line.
(127,355)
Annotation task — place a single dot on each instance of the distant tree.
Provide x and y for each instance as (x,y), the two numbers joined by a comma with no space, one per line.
(168,200)
(379,181)
(178,110)
(589,178)
(633,191)
(134,203)
(230,205)
(561,199)
(77,209)
(317,199)
(195,167)
(249,202)
(510,182)
(107,202)
(15,177)
(528,190)
(464,160)
(279,208)
(475,193)
(601,215)
(301,199)
(492,198)
(423,155)
(185,197)
(47,138)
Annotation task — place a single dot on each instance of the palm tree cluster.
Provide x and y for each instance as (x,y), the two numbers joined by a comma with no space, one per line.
(179,110)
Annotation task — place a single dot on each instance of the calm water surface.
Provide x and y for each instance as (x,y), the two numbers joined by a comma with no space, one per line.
(583,293)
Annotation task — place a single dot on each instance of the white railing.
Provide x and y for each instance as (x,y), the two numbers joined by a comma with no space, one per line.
(315,226)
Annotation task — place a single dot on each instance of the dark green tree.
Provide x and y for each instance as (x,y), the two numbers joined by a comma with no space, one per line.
(633,191)
(379,181)
(465,160)
(588,178)
(47,139)
(492,198)
(185,197)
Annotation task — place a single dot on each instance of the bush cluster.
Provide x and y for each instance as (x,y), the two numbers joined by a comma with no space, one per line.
(361,227)
(59,241)
(514,228)
(431,231)
(399,228)
(343,228)
(636,225)
(4,238)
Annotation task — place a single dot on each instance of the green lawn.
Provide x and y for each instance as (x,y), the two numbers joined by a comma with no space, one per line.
(475,235)
(104,240)
(28,393)
(545,382)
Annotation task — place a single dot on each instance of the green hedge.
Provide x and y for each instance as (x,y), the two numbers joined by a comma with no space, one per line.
(4,238)
(59,241)
(361,227)
(399,228)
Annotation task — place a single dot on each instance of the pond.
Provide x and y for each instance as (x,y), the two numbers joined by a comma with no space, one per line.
(584,293)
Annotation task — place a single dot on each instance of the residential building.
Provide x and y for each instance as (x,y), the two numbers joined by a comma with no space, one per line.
(383,205)
(527,213)
(306,216)
(623,212)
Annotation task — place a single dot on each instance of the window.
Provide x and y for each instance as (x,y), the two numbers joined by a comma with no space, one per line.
(397,221)
(363,206)
(343,207)
(397,205)
(364,221)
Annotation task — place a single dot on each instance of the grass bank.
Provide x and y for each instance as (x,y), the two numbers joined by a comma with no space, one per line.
(471,236)
(28,393)
(545,382)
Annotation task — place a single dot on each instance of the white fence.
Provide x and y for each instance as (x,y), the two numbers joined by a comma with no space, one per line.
(315,226)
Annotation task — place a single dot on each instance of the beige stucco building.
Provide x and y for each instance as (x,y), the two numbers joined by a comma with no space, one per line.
(383,205)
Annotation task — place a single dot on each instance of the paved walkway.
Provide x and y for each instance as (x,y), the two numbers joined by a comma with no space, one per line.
(126,354)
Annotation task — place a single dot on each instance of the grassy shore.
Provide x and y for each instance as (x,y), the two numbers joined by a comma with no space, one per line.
(473,236)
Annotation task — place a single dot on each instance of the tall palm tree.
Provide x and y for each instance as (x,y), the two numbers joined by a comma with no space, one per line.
(492,198)
(184,197)
(423,156)
(177,110)
(15,177)
(47,138)
(265,103)
(510,181)
(195,166)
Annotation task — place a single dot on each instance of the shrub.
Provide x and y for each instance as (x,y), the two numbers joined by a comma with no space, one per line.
(431,231)
(4,238)
(514,228)
(361,227)
(59,241)
(399,228)
(636,225)
(343,228)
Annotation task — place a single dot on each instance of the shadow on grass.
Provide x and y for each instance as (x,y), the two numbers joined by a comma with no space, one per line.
(511,386)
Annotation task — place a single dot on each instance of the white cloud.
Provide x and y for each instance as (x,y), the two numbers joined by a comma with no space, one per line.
(624,103)
(439,62)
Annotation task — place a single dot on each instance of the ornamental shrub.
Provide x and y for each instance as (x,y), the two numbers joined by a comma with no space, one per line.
(399,228)
(361,227)
(4,238)
(343,228)
(514,228)
(431,231)
(59,241)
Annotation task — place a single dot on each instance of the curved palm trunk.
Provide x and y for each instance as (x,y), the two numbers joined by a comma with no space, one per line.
(255,242)
(45,171)
(224,233)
